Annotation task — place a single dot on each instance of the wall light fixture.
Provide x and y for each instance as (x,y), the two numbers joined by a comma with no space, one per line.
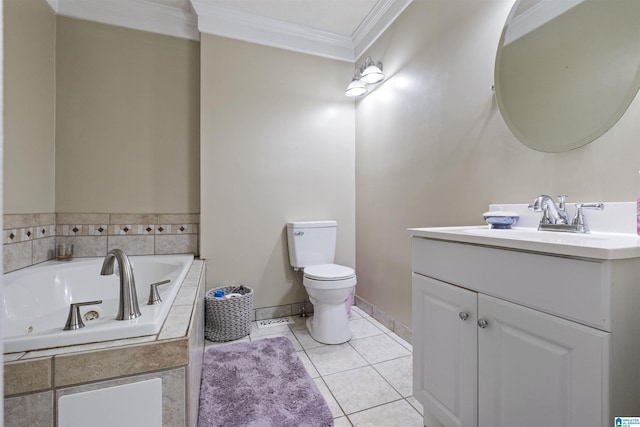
(367,74)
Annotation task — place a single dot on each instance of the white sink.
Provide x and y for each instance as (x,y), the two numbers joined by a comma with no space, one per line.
(595,245)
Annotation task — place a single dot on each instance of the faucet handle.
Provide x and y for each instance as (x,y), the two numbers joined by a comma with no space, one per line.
(579,221)
(74,320)
(561,200)
(154,295)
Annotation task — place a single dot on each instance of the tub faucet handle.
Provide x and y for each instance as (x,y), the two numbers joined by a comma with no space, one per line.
(74,320)
(154,295)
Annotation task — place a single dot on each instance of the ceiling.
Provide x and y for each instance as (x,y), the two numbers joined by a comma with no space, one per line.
(339,29)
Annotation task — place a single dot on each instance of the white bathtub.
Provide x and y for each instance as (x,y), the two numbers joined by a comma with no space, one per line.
(37,299)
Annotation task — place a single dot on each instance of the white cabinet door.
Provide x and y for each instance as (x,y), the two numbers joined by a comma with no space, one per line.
(445,351)
(539,370)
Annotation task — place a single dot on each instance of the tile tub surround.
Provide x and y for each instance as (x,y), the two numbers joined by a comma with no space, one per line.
(30,239)
(33,381)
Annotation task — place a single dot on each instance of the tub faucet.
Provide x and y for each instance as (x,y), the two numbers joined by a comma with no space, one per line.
(128,304)
(551,214)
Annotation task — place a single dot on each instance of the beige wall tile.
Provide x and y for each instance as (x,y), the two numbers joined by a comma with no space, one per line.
(29,410)
(17,255)
(86,246)
(99,365)
(124,218)
(44,249)
(23,377)
(176,244)
(82,218)
(28,220)
(178,218)
(132,245)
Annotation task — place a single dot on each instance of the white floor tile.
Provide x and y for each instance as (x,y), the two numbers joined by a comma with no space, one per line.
(402,342)
(359,389)
(301,323)
(311,370)
(379,348)
(399,374)
(330,359)
(394,414)
(292,338)
(417,405)
(269,330)
(359,311)
(380,325)
(341,422)
(363,328)
(306,340)
(335,409)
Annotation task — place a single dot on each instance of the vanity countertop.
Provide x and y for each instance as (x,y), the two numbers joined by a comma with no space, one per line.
(598,246)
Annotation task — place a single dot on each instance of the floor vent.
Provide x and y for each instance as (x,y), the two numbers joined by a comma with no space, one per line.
(275,322)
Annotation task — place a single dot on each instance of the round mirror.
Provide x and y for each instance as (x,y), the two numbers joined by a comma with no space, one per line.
(567,70)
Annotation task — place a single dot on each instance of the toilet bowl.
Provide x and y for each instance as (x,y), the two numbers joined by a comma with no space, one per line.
(329,286)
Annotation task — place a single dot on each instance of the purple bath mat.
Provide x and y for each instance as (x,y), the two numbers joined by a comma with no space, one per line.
(259,384)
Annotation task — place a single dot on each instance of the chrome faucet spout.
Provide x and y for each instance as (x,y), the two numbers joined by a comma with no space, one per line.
(128,305)
(551,213)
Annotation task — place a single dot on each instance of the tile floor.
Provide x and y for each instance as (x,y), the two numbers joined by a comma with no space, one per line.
(366,382)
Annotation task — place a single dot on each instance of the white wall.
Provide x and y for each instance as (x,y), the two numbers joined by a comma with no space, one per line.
(127,114)
(277,144)
(433,150)
(29,107)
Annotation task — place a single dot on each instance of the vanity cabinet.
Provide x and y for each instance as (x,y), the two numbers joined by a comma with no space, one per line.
(501,337)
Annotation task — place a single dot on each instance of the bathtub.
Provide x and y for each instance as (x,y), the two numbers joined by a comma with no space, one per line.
(36,301)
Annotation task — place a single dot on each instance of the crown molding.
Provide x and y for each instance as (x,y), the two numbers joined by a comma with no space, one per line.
(212,18)
(53,4)
(376,22)
(221,21)
(136,14)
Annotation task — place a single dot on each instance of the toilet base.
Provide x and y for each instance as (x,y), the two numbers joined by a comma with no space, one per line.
(329,324)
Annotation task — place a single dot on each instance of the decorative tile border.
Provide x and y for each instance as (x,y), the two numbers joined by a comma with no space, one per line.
(31,238)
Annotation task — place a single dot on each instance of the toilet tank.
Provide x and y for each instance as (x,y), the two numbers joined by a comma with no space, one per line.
(311,242)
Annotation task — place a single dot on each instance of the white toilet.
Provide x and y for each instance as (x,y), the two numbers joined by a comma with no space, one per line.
(312,247)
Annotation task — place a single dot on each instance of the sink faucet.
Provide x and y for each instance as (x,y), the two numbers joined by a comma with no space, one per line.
(551,214)
(128,304)
(554,218)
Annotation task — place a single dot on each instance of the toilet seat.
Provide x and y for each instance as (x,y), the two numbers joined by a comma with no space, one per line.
(328,272)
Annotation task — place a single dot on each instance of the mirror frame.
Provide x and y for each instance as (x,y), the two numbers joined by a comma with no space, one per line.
(544,146)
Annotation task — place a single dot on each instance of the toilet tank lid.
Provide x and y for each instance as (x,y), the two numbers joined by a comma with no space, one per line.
(311,224)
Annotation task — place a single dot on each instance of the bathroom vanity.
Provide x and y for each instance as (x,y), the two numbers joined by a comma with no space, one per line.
(525,328)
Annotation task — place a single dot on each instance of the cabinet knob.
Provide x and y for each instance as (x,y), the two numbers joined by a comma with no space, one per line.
(482,323)
(463,315)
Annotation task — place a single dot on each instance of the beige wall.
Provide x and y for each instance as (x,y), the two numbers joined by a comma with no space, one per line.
(29,106)
(277,145)
(433,150)
(127,129)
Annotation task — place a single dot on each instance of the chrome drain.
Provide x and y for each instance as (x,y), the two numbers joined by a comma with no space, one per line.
(275,322)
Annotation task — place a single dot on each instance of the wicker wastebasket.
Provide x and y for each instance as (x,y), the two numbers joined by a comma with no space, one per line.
(228,319)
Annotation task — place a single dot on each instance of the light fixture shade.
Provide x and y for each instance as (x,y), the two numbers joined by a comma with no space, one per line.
(372,73)
(355,88)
